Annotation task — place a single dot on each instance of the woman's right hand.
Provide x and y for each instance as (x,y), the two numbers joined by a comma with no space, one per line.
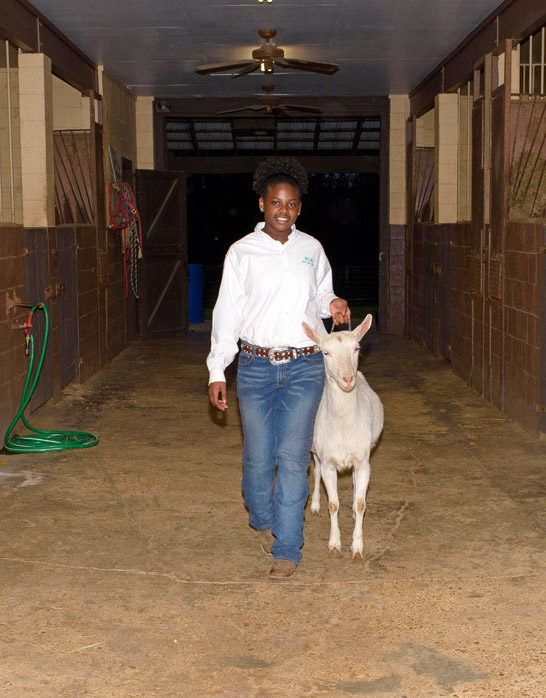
(218,395)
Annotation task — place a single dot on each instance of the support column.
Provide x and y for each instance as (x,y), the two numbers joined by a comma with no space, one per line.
(71,109)
(398,116)
(446,154)
(145,133)
(36,105)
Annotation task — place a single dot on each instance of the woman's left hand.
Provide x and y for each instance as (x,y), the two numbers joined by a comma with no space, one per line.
(340,311)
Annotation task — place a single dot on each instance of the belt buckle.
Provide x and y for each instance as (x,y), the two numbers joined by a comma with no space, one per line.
(276,362)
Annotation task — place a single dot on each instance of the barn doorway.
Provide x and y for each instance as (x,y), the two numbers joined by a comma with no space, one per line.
(340,209)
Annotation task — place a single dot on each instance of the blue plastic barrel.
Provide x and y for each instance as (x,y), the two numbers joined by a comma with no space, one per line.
(195,293)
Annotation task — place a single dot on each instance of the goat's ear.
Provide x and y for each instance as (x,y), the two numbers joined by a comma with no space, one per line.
(364,326)
(310,332)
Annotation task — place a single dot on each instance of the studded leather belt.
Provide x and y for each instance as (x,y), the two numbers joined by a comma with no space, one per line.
(279,355)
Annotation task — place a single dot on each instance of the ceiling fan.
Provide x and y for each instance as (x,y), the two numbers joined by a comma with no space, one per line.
(272,105)
(265,59)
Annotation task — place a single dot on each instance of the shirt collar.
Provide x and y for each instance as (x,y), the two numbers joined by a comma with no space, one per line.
(259,230)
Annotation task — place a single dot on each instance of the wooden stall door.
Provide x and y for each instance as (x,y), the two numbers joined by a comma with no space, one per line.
(429,291)
(494,316)
(67,279)
(476,261)
(37,268)
(444,291)
(410,217)
(132,304)
(161,199)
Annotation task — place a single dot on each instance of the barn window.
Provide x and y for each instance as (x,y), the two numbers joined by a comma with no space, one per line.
(532,63)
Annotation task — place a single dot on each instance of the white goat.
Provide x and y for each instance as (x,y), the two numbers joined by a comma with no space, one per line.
(349,422)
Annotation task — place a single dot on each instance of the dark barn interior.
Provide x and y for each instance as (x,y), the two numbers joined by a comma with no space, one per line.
(340,208)
(129,133)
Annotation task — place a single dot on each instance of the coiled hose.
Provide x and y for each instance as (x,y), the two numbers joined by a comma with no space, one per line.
(41,440)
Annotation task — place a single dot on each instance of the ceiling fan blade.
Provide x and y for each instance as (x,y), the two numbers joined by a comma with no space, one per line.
(221,67)
(248,69)
(301,107)
(310,66)
(251,107)
(280,111)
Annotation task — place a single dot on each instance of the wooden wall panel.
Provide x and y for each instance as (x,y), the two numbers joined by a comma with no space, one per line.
(37,285)
(13,363)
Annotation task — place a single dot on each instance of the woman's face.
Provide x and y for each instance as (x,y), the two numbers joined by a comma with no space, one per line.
(281,206)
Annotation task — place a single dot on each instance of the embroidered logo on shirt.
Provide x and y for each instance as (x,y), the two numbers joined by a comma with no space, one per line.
(309,260)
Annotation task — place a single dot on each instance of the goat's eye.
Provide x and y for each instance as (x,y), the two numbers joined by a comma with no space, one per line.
(325,353)
(357,348)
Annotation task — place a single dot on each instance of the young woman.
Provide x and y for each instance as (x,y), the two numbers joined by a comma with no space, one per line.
(274,279)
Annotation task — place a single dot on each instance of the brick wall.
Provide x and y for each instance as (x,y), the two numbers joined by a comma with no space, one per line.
(494,343)
(101,328)
(13,362)
(416,283)
(461,302)
(523,280)
(101,301)
(430,290)
(53,307)
(115,307)
(91,356)
(397,278)
(430,272)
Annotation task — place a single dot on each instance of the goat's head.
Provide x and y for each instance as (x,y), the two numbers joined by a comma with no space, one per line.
(340,351)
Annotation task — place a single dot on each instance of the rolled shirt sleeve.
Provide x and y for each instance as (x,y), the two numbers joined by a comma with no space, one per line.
(325,293)
(226,320)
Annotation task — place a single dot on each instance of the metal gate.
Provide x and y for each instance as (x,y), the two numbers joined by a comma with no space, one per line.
(161,198)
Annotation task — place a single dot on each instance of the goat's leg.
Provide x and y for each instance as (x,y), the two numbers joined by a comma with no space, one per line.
(329,475)
(361,478)
(315,499)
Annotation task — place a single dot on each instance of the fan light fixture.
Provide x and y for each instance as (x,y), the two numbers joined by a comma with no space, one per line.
(271,105)
(265,59)
(266,65)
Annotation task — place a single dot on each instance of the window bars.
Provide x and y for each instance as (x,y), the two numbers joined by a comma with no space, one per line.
(532,63)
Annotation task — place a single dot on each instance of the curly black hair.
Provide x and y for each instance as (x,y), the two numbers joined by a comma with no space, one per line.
(275,170)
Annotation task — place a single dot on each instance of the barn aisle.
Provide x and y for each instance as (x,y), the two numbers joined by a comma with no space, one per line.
(129,569)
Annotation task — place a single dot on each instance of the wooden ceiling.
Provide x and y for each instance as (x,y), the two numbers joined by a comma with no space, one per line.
(382,46)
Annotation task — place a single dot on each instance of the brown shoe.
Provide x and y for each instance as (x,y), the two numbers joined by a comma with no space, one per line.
(282,569)
(266,540)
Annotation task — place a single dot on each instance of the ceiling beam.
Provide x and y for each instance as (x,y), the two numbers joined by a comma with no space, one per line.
(338,107)
(22,25)
(514,19)
(234,164)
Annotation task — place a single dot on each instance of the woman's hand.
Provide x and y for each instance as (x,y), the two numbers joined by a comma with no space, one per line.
(340,311)
(218,395)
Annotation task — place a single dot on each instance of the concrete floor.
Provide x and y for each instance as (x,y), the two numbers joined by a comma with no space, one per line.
(130,570)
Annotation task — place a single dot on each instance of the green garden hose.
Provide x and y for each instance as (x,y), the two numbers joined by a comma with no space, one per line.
(41,441)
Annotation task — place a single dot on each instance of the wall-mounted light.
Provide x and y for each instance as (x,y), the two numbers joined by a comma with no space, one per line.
(261,1)
(162,107)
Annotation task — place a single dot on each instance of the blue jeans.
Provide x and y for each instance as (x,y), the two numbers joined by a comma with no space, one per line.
(278,407)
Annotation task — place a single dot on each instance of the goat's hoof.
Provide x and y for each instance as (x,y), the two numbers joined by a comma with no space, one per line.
(336,551)
(315,510)
(359,553)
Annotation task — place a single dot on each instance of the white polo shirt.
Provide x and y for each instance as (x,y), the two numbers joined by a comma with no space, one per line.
(268,289)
